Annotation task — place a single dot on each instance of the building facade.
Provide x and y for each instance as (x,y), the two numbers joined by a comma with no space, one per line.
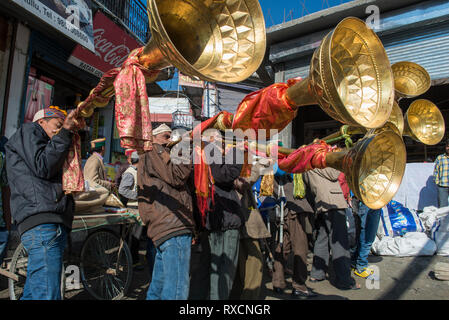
(54,52)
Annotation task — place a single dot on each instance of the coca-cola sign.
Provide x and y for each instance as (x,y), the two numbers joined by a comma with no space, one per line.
(112,47)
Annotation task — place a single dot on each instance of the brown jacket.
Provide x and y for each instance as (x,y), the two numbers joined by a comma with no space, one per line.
(324,189)
(95,172)
(165,201)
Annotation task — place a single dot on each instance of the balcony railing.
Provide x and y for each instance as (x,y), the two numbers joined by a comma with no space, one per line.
(132,13)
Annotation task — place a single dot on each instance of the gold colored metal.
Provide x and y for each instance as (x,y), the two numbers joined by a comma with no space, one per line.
(350,77)
(424,122)
(410,79)
(397,117)
(214,40)
(374,167)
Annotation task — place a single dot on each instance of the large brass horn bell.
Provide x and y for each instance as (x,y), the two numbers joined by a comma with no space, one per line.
(374,167)
(214,40)
(350,77)
(424,122)
(410,79)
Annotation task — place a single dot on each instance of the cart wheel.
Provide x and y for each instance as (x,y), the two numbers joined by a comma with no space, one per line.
(19,263)
(18,266)
(105,265)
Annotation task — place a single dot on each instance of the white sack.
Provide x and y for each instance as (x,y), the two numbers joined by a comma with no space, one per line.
(410,244)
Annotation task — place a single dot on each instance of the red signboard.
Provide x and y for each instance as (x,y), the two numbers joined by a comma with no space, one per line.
(112,47)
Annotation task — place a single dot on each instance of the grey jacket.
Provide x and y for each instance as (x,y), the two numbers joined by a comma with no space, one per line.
(323,190)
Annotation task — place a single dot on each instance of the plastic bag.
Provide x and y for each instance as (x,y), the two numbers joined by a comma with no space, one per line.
(440,234)
(397,220)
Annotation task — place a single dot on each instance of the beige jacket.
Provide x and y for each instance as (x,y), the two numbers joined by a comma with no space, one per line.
(95,173)
(254,226)
(324,190)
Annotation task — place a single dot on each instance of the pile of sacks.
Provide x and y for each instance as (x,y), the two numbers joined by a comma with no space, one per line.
(403,232)
(97,200)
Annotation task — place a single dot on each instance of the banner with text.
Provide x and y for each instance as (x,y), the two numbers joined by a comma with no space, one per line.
(71,17)
(112,47)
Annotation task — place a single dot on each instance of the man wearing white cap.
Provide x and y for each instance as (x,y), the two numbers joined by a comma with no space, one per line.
(165,206)
(128,190)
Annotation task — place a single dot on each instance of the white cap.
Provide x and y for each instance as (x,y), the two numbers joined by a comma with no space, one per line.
(162,128)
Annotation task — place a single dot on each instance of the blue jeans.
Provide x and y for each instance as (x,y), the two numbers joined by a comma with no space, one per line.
(45,246)
(151,256)
(170,279)
(443,193)
(369,222)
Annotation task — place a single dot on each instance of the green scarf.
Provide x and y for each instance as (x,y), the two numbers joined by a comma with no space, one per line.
(299,189)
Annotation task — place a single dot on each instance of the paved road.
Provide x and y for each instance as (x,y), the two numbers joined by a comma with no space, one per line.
(407,278)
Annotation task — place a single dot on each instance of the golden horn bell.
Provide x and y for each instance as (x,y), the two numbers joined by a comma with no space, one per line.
(214,40)
(410,79)
(424,122)
(350,77)
(374,167)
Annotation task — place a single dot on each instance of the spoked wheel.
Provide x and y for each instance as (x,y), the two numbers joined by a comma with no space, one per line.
(19,264)
(106,265)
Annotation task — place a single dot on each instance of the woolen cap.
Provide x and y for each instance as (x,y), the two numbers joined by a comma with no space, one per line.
(162,128)
(50,112)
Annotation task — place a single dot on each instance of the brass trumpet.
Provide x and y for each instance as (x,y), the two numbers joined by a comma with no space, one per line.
(350,77)
(212,40)
(423,122)
(374,166)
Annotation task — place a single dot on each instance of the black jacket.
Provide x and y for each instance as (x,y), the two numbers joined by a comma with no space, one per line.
(34,169)
(226,213)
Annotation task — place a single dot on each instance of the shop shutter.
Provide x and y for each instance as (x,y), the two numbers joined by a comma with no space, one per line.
(426,45)
(229,97)
(51,52)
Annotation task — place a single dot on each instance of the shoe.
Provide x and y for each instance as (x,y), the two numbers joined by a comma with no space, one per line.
(365,273)
(278,290)
(355,286)
(303,295)
(313,280)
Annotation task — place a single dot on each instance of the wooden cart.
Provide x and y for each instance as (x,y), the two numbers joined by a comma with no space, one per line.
(105,261)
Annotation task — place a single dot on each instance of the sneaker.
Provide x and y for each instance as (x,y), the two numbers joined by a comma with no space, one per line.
(365,273)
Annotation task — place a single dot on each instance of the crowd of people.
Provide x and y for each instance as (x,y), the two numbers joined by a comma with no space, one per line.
(216,247)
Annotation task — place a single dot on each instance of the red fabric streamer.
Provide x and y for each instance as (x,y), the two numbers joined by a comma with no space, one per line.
(344,186)
(305,158)
(132,112)
(72,175)
(204,182)
(267,108)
